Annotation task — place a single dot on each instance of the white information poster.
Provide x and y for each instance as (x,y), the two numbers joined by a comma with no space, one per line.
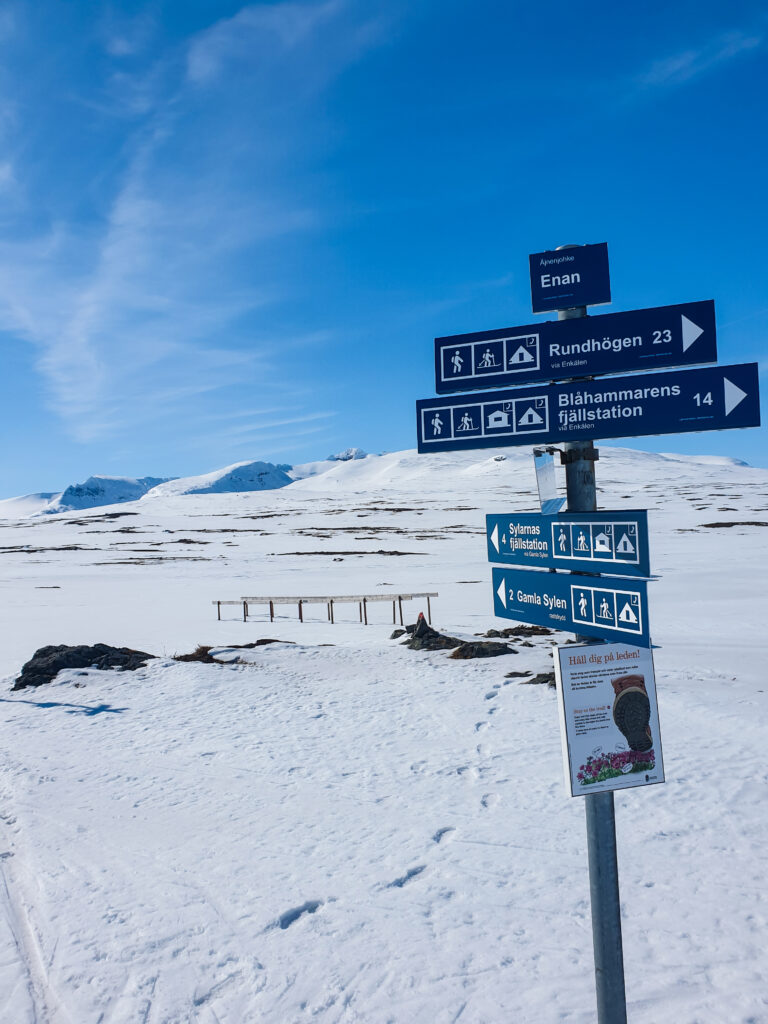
(609,719)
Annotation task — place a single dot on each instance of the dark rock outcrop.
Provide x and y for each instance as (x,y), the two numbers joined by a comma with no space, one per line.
(518,631)
(47,662)
(480,649)
(202,652)
(540,679)
(424,638)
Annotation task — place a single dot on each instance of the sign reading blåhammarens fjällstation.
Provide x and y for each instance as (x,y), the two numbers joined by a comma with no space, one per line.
(573,571)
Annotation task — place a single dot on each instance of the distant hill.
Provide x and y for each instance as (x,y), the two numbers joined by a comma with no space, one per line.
(355,471)
(98,491)
(242,476)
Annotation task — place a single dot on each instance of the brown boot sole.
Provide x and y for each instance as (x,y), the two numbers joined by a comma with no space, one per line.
(632,713)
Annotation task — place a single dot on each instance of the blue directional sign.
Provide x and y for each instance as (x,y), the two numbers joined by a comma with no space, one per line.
(591,605)
(600,542)
(715,398)
(564,278)
(641,339)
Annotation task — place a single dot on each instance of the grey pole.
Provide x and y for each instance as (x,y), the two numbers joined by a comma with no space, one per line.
(581,491)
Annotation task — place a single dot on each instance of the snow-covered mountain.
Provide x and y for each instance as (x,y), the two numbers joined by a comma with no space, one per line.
(26,504)
(242,476)
(101,490)
(356,472)
(348,455)
(113,490)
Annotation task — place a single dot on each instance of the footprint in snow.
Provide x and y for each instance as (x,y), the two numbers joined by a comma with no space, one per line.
(490,800)
(443,834)
(491,694)
(291,916)
(398,883)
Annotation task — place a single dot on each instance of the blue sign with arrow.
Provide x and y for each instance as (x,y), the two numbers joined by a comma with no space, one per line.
(715,398)
(607,608)
(575,276)
(599,542)
(641,339)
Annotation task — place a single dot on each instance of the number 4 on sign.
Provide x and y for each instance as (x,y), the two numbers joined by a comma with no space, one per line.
(706,400)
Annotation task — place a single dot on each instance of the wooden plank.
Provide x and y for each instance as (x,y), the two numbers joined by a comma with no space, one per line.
(324,598)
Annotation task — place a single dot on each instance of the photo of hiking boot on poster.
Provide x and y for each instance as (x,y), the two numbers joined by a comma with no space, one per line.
(609,719)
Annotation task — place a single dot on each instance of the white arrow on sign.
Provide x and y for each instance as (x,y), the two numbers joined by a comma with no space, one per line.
(495,536)
(502,592)
(733,395)
(691,332)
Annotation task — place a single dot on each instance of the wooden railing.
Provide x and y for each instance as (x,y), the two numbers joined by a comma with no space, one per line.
(362,600)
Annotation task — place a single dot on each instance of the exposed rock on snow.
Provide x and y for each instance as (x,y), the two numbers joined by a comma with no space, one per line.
(518,631)
(424,638)
(540,679)
(212,655)
(348,455)
(47,662)
(481,649)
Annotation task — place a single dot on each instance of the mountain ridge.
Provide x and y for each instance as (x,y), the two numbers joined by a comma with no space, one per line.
(352,469)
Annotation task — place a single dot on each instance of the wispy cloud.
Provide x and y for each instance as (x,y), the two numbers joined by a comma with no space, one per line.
(171,294)
(255,33)
(126,36)
(691,63)
(271,424)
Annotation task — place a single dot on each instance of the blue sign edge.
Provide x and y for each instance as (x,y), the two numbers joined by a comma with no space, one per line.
(495,396)
(575,564)
(478,384)
(582,629)
(555,252)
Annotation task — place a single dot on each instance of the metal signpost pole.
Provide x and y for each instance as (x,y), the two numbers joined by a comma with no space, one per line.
(579,458)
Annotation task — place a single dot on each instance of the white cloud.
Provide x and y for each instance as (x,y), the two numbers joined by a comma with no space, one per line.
(255,33)
(171,293)
(123,35)
(7,175)
(690,63)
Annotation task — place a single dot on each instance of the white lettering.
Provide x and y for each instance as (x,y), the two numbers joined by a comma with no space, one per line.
(557,280)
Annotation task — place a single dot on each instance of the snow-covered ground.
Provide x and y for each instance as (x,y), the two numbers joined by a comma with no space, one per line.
(338,828)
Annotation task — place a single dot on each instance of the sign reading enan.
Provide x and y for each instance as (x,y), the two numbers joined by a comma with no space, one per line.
(574,276)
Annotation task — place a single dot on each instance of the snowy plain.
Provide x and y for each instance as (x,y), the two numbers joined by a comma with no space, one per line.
(336,828)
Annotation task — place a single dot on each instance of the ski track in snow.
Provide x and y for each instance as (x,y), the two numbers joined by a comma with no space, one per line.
(358,832)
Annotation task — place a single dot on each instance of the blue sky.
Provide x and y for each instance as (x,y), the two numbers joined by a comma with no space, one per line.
(232,231)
